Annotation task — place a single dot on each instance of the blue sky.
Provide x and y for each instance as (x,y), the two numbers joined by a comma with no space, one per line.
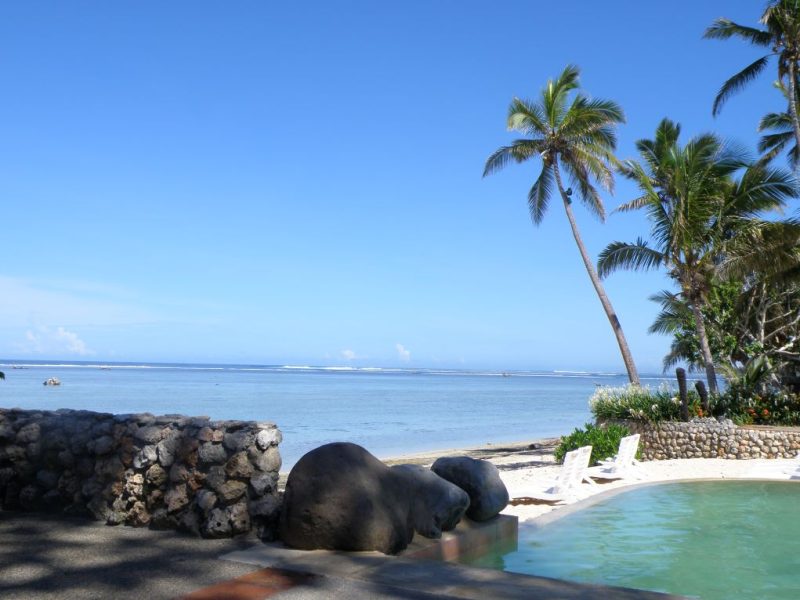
(300,183)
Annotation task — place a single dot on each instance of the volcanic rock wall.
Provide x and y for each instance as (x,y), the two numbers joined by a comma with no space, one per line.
(710,438)
(213,478)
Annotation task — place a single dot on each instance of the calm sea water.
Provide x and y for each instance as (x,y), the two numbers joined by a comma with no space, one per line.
(388,411)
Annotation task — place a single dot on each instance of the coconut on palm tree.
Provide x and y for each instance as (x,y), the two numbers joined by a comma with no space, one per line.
(577,137)
(781,35)
(701,215)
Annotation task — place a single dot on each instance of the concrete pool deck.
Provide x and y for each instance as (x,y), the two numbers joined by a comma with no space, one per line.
(49,557)
(44,556)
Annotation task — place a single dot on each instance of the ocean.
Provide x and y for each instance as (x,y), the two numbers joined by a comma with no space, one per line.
(391,412)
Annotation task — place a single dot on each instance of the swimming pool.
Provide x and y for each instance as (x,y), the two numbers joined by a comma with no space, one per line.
(714,540)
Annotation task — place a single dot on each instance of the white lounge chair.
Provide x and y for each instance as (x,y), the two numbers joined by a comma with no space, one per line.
(781,468)
(570,477)
(623,465)
(792,470)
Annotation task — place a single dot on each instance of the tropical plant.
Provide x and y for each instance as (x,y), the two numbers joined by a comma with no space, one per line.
(578,137)
(699,213)
(603,440)
(636,403)
(751,397)
(720,317)
(781,35)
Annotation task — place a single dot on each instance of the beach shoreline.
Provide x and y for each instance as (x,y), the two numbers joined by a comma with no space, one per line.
(528,466)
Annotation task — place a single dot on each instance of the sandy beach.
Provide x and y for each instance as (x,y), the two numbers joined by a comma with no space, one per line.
(526,467)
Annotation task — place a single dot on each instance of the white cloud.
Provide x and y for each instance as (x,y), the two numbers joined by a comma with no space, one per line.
(44,340)
(27,302)
(349,355)
(402,353)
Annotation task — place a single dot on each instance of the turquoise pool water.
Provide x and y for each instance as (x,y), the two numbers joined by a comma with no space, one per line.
(712,540)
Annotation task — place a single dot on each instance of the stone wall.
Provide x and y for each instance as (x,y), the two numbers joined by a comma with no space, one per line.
(709,438)
(213,478)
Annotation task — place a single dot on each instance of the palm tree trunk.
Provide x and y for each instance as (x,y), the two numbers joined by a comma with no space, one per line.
(627,358)
(793,99)
(705,348)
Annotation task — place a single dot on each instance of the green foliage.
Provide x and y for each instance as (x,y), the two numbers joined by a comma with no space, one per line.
(634,402)
(639,403)
(603,440)
(704,201)
(721,320)
(751,399)
(766,408)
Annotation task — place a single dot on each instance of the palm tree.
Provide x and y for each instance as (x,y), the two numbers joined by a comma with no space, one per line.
(578,137)
(781,35)
(780,124)
(699,213)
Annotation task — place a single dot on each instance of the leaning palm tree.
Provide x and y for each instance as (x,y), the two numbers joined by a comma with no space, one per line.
(579,137)
(781,35)
(699,213)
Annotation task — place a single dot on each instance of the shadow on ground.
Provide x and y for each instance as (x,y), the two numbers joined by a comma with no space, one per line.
(49,556)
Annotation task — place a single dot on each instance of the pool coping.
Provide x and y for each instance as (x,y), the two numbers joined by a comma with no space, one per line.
(568,509)
(420,572)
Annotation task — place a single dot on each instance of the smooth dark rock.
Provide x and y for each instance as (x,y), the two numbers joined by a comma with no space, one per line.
(340,497)
(149,435)
(480,479)
(238,441)
(438,505)
(212,453)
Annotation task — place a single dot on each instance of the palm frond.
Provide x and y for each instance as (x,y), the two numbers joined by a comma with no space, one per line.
(723,29)
(635,204)
(775,121)
(525,116)
(540,194)
(622,255)
(519,151)
(555,93)
(737,82)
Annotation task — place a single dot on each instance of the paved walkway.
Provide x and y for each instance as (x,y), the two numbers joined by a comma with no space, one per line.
(56,557)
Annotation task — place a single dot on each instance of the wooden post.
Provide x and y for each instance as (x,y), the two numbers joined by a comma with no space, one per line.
(684,395)
(703,393)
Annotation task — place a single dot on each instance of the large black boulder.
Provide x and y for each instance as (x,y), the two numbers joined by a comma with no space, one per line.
(438,505)
(480,479)
(340,497)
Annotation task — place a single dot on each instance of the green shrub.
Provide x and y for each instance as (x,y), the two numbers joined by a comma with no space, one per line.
(603,440)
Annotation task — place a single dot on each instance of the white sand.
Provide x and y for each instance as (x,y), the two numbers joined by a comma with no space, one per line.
(527,480)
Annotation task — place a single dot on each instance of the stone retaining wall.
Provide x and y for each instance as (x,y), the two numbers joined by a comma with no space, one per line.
(214,478)
(709,438)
